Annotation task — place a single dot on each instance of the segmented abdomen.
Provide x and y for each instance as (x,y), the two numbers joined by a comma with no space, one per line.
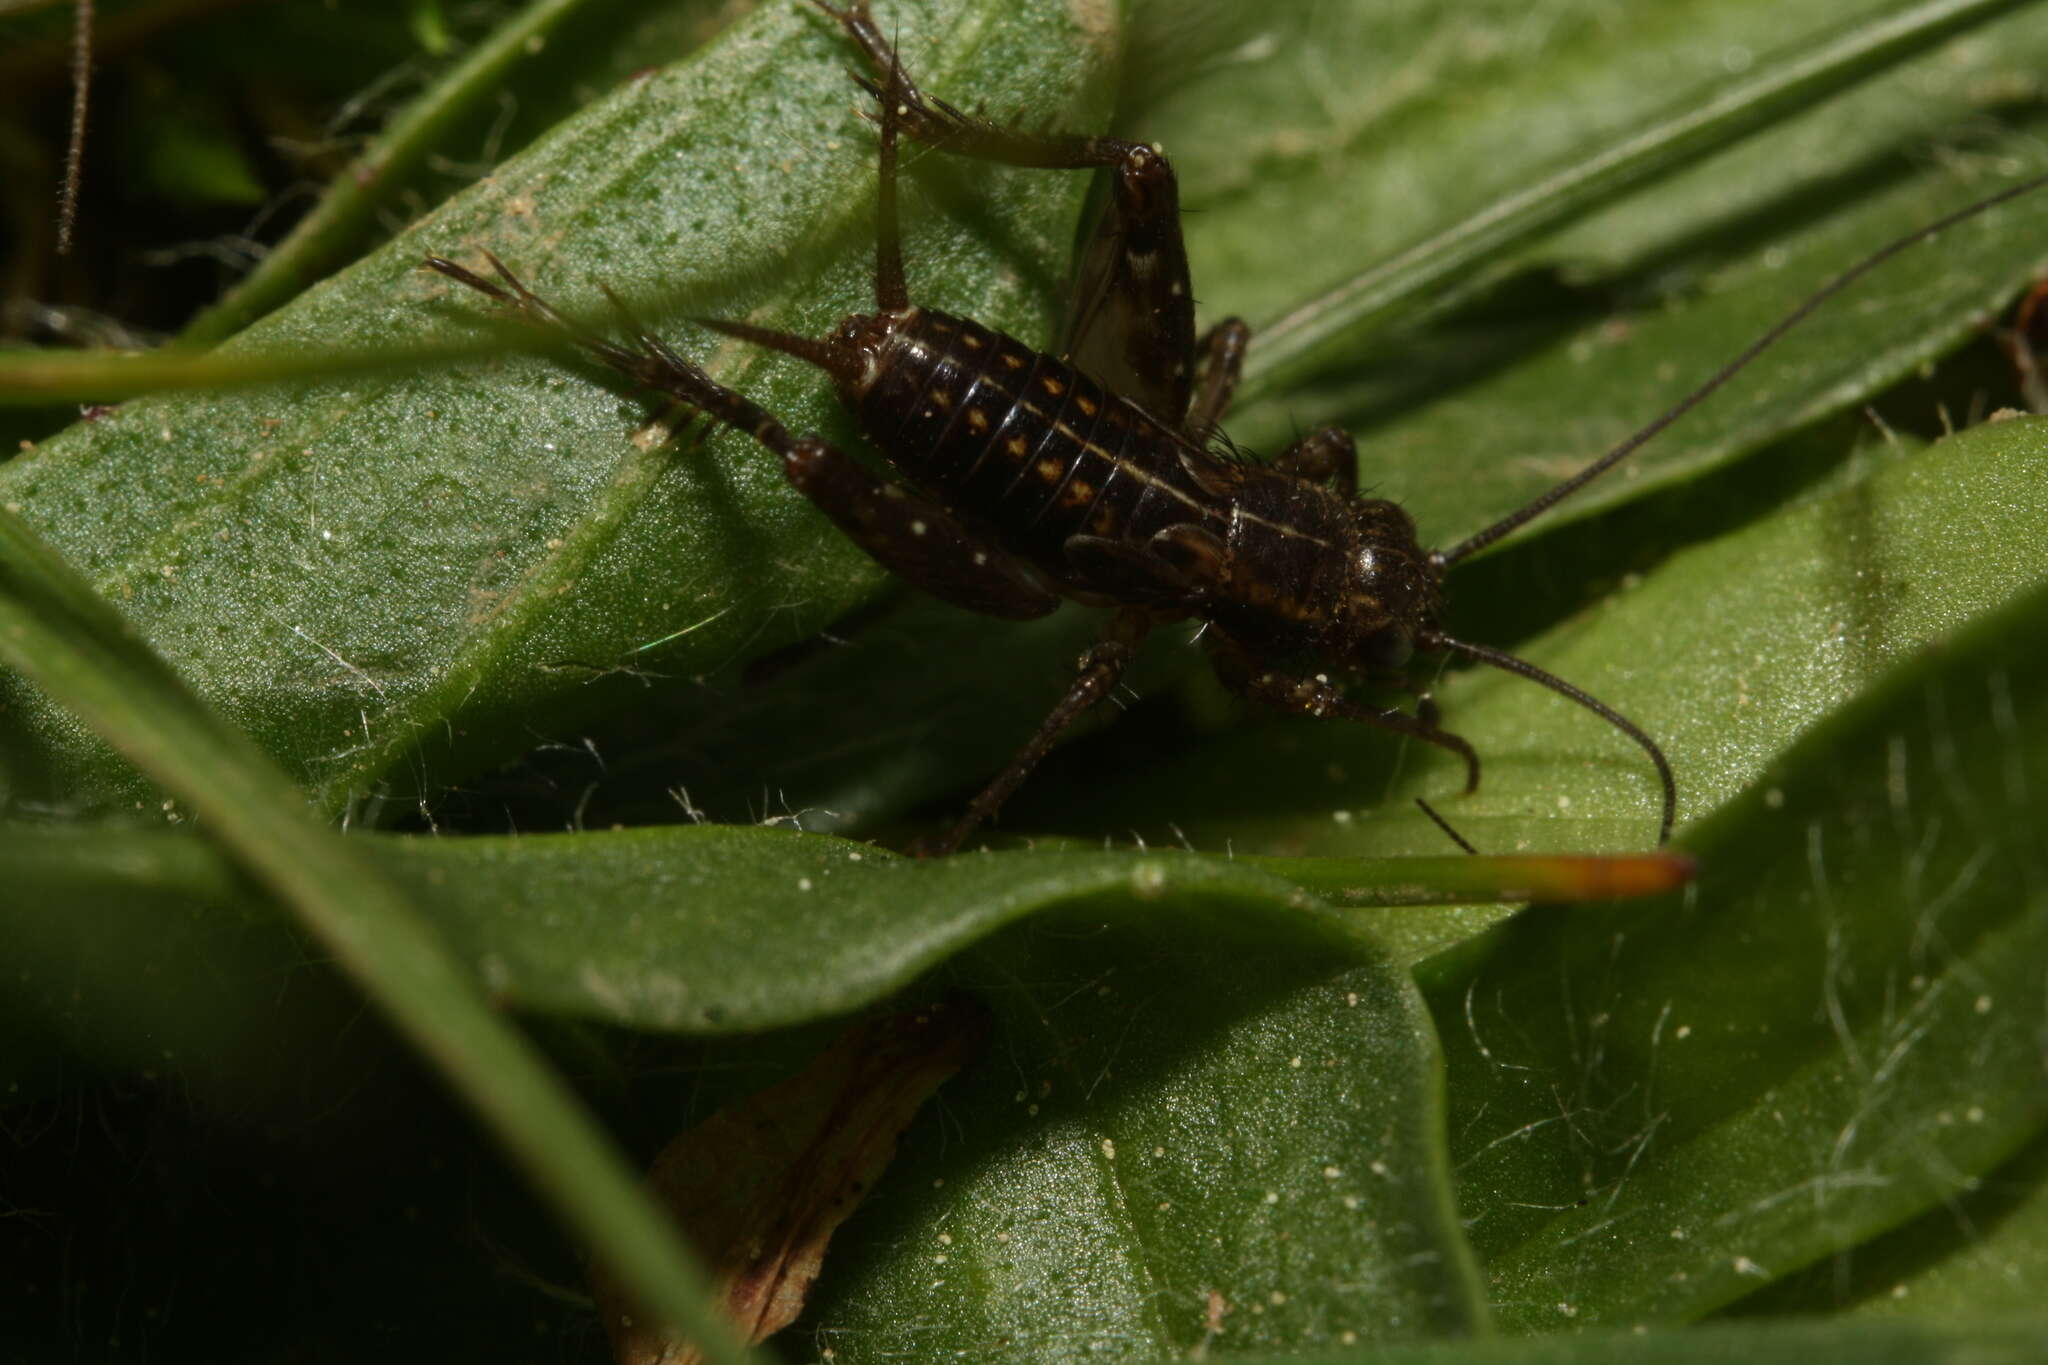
(1022,443)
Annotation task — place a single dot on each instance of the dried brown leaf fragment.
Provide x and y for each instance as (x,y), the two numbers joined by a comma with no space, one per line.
(761,1185)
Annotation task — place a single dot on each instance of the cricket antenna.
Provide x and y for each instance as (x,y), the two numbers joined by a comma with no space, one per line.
(1446,827)
(1443,559)
(1508,663)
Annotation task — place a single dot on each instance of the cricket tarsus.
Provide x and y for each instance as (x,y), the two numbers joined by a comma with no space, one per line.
(1087,474)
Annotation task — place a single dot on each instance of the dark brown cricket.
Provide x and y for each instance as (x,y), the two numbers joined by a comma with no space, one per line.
(1090,474)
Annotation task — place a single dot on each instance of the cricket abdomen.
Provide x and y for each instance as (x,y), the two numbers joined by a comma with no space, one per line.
(1023,444)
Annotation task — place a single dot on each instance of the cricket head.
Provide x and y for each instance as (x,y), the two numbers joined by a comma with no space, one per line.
(1392,591)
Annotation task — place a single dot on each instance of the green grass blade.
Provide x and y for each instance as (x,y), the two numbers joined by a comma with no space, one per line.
(348,208)
(55,629)
(29,377)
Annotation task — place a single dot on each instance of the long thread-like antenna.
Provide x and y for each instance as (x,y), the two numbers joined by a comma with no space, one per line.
(1513,520)
(74,151)
(1523,668)
(1446,827)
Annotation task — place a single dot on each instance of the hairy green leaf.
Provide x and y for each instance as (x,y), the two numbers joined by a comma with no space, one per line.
(1671,1104)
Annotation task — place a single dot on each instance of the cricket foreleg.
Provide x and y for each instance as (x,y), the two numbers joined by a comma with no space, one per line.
(1309,696)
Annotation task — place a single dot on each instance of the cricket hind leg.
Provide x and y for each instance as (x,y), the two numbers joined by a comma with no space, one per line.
(1325,455)
(911,536)
(1222,352)
(1131,318)
(653,365)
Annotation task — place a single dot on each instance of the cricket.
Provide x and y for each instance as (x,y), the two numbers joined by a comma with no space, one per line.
(1095,471)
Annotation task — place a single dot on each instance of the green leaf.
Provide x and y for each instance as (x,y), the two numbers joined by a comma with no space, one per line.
(1467,420)
(1789,1343)
(528,929)
(382,580)
(1789,82)
(1190,1056)
(1192,1104)
(1978,1256)
(54,629)
(192,154)
(1671,1104)
(502,565)
(661,929)
(413,610)
(1726,653)
(1340,139)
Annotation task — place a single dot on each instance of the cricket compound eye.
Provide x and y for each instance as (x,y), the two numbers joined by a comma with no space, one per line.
(1386,651)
